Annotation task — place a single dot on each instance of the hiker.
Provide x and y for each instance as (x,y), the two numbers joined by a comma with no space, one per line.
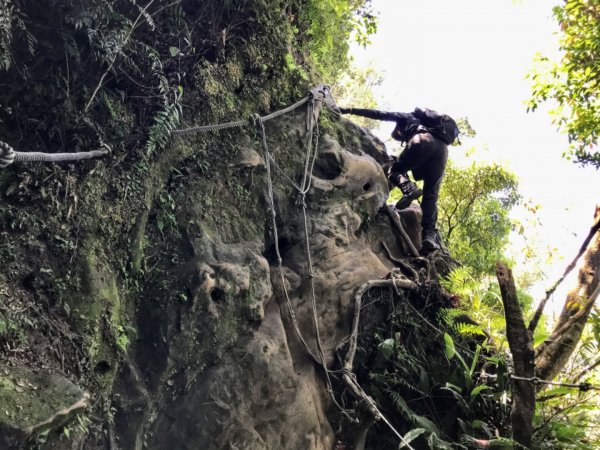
(425,155)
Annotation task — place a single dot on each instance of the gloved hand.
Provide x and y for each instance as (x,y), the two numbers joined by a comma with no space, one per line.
(345,110)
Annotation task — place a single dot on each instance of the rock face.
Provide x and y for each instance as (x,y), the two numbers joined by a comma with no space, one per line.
(205,342)
(33,402)
(262,390)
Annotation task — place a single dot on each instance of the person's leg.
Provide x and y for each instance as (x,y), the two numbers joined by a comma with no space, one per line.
(414,157)
(433,174)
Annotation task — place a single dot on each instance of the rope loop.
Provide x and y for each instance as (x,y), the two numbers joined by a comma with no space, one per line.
(7,155)
(301,199)
(106,147)
(255,120)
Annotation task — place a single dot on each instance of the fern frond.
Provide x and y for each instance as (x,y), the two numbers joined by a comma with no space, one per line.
(469,329)
(165,121)
(410,415)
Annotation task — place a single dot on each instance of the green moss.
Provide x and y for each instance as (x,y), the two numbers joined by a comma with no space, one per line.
(97,311)
(137,243)
(29,399)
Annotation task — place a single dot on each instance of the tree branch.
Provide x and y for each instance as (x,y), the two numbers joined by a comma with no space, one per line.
(347,375)
(540,309)
(586,370)
(553,354)
(112,63)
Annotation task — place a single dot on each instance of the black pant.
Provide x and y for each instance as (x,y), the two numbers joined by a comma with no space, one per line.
(426,157)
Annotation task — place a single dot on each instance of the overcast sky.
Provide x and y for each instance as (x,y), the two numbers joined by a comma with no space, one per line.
(469,58)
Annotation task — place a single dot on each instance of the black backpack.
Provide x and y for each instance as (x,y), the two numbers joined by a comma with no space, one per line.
(441,126)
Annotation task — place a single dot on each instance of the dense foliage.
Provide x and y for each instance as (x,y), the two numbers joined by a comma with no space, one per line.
(426,380)
(474,213)
(574,82)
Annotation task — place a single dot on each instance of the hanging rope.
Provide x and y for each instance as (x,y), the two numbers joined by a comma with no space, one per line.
(302,189)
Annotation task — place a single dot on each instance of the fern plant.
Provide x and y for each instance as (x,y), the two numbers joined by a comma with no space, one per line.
(165,121)
(424,374)
(479,300)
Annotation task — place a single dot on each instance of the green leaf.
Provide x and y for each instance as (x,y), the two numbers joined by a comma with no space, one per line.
(474,362)
(539,338)
(478,389)
(450,350)
(174,51)
(453,387)
(411,436)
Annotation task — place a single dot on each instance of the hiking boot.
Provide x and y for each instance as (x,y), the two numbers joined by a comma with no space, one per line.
(430,241)
(411,192)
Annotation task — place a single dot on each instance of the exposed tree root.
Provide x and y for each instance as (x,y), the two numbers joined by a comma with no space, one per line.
(409,246)
(396,281)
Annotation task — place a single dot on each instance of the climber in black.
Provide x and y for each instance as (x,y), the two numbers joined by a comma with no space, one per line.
(425,155)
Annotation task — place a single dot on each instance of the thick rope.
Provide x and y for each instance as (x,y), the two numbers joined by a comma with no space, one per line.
(320,359)
(306,181)
(205,128)
(9,155)
(281,112)
(271,199)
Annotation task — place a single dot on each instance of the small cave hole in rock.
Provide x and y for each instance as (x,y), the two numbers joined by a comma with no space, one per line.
(217,295)
(366,186)
(102,367)
(327,167)
(271,253)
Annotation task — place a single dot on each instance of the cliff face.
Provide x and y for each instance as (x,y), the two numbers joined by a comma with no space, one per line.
(194,345)
(231,371)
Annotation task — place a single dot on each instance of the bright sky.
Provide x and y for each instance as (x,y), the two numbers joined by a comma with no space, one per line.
(469,58)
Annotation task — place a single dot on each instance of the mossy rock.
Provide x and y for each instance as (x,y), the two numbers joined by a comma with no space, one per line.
(33,402)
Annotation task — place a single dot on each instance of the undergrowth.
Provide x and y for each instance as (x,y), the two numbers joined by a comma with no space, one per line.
(426,373)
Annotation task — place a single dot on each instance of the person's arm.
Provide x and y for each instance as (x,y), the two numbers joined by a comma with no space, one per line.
(374,114)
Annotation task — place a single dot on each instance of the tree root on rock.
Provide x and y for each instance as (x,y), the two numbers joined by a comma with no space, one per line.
(397,222)
(395,280)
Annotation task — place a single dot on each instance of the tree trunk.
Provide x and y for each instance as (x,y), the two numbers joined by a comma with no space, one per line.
(521,347)
(552,355)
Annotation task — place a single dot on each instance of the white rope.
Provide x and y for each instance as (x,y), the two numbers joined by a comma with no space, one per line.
(8,155)
(303,190)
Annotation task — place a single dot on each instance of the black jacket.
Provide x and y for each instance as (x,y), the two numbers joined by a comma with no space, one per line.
(407,124)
